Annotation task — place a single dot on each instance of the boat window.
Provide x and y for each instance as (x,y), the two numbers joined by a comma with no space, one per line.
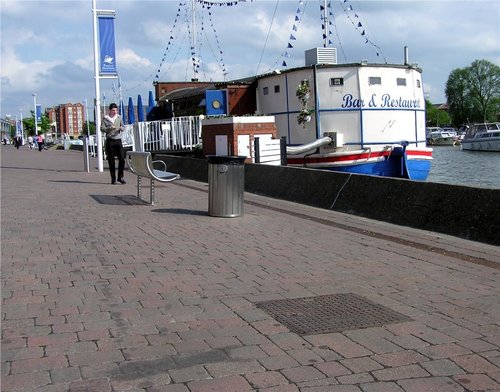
(277,88)
(336,81)
(401,81)
(265,91)
(374,80)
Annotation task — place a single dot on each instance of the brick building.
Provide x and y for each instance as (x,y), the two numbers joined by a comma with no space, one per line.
(68,118)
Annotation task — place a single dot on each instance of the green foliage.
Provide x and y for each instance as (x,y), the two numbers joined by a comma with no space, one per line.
(436,117)
(29,124)
(91,127)
(473,93)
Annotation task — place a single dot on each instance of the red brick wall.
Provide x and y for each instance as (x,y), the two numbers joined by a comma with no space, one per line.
(232,131)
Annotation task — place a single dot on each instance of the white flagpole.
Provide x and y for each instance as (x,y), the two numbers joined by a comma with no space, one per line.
(97,107)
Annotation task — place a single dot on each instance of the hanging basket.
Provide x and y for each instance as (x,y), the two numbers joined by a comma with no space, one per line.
(303,92)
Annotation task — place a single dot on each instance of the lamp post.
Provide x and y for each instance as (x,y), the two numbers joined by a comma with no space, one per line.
(36,123)
(87,117)
(22,126)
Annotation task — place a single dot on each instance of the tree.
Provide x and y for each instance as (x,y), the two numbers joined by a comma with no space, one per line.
(473,93)
(434,116)
(29,124)
(484,78)
(91,127)
(459,106)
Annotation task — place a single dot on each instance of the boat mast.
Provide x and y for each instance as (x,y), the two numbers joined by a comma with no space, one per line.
(193,40)
(325,24)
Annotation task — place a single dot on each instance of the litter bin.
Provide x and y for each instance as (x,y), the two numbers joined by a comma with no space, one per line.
(226,185)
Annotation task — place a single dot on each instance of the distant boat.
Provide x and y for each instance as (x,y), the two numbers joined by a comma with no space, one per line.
(439,137)
(482,137)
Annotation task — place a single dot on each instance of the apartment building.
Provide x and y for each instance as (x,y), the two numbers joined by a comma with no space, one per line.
(69,119)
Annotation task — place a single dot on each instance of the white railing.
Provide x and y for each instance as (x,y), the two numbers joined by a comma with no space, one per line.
(176,134)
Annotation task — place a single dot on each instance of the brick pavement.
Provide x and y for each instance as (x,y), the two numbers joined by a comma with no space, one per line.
(100,293)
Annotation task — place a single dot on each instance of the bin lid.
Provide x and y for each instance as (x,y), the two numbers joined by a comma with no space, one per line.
(226,159)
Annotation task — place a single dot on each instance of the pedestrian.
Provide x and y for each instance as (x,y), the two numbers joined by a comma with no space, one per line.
(30,142)
(112,126)
(41,141)
(17,141)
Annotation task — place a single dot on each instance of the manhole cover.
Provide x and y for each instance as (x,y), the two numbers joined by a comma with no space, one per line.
(330,313)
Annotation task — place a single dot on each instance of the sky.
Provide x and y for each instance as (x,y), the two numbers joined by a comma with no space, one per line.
(47,47)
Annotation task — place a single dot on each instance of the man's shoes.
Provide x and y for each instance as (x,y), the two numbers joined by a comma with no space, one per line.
(122,181)
(113,182)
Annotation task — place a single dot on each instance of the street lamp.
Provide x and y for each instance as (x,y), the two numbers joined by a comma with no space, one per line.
(22,125)
(87,117)
(36,123)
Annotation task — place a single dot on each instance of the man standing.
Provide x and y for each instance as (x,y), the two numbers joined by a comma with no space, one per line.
(112,126)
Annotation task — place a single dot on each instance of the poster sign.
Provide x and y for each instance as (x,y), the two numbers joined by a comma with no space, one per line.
(38,112)
(107,45)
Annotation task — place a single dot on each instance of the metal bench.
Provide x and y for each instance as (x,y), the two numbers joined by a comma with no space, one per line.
(142,165)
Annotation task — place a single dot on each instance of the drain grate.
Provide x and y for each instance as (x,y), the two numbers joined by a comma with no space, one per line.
(330,313)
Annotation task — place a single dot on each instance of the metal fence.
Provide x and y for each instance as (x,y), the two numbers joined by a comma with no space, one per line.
(176,134)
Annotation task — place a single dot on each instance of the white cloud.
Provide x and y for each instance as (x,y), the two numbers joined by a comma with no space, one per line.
(128,58)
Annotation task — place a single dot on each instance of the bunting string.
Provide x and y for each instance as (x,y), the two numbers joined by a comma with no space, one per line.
(353,17)
(221,3)
(170,40)
(286,54)
(217,54)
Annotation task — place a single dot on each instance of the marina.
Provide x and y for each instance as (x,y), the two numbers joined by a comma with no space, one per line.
(454,166)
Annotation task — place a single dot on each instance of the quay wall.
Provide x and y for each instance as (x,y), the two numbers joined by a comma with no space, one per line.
(461,211)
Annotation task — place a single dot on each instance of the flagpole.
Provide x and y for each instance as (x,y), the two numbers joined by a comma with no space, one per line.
(97,107)
(120,97)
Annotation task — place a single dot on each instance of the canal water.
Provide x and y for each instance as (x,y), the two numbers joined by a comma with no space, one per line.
(451,165)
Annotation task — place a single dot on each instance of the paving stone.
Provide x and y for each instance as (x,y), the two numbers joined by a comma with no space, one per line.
(302,373)
(224,384)
(474,363)
(91,307)
(381,387)
(222,369)
(432,384)
(442,367)
(400,373)
(101,385)
(266,379)
(399,358)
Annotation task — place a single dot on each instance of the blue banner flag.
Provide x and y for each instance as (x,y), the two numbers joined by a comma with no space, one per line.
(107,45)
(38,112)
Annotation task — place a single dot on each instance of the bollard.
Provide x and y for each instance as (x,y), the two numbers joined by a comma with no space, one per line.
(86,163)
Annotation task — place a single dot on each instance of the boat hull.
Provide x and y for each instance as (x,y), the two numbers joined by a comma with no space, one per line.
(446,141)
(396,162)
(493,144)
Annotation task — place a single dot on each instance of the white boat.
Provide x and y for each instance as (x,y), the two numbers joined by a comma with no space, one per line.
(366,118)
(482,137)
(439,137)
(374,115)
